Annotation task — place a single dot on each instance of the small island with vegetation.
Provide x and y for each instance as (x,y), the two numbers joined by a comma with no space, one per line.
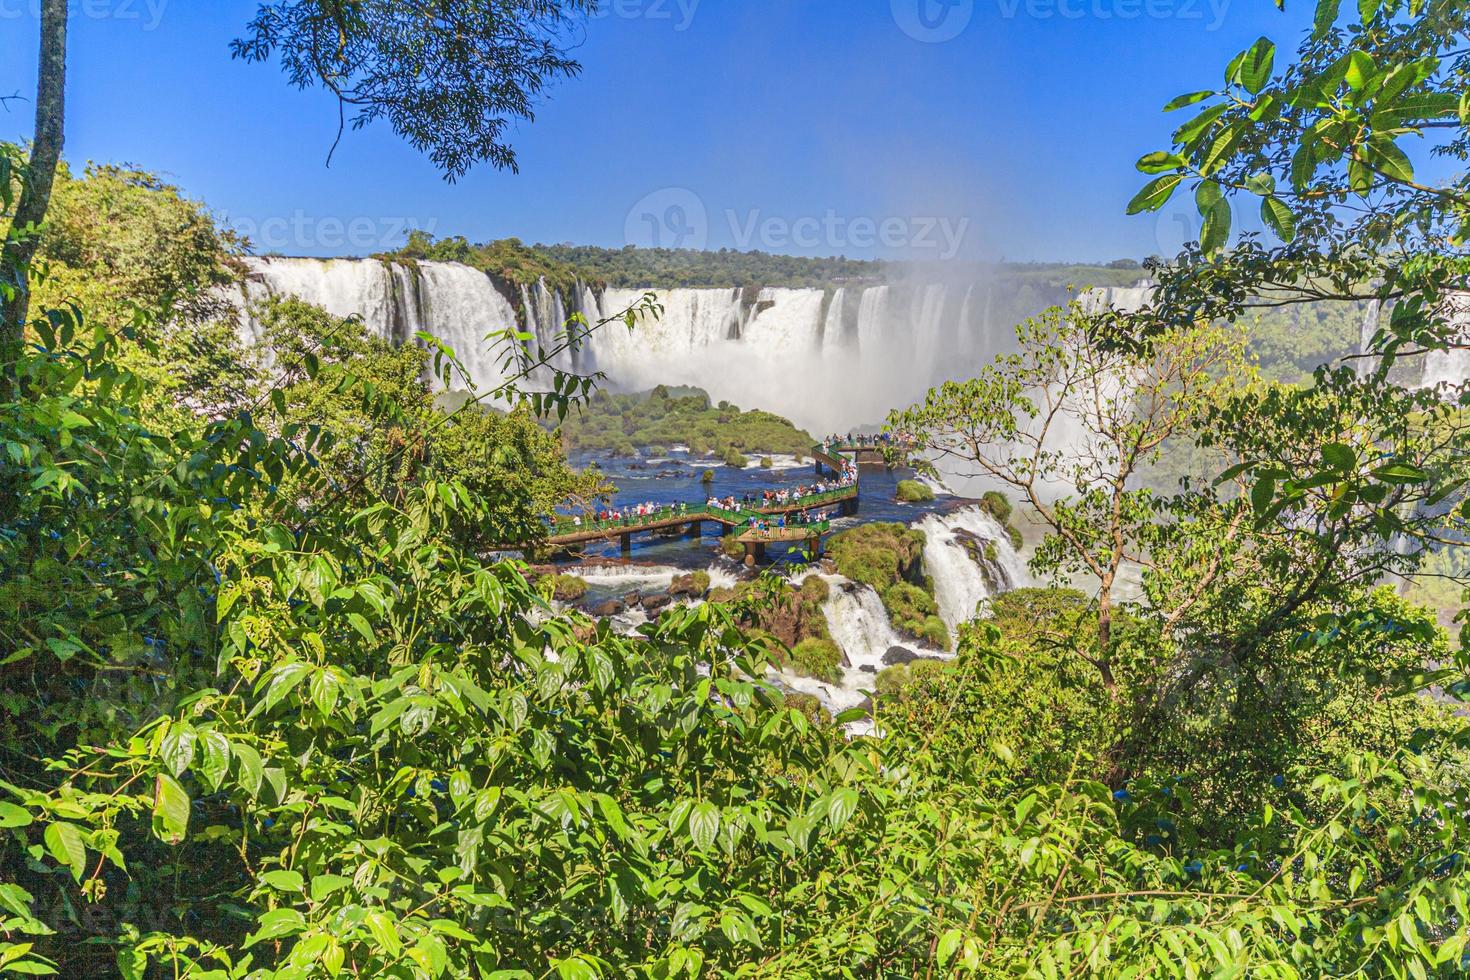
(667,417)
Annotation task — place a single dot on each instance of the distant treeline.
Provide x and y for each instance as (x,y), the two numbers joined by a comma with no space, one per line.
(631,267)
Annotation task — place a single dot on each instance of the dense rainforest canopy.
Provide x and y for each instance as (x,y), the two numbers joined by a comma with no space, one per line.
(272,707)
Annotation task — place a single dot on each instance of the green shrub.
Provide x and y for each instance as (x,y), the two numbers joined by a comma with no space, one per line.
(708,477)
(906,680)
(815,589)
(693,584)
(934,632)
(808,705)
(913,492)
(734,459)
(877,554)
(997,505)
(766,463)
(1017,541)
(567,588)
(904,600)
(817,658)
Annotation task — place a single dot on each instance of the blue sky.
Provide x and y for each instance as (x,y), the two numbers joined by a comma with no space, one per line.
(903,128)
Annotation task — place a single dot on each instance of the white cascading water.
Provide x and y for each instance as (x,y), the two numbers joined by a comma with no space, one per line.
(969,559)
(859,624)
(1451,367)
(828,360)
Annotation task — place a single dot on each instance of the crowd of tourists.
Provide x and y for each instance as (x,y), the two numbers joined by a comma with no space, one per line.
(780,522)
(882,440)
(634,514)
(650,511)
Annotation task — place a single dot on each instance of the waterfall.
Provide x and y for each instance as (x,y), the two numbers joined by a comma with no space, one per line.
(969,559)
(454,302)
(859,624)
(1451,367)
(828,361)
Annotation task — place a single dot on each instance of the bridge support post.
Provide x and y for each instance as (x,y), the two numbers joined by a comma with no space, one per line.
(626,541)
(693,530)
(849,507)
(755,551)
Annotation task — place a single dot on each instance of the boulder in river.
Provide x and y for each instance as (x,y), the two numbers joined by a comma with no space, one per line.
(899,655)
(611,607)
(654,603)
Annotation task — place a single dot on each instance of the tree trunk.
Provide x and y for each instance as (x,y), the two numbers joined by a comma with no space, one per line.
(1105,635)
(35,196)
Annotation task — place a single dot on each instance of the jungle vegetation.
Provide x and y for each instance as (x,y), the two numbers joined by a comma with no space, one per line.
(269,715)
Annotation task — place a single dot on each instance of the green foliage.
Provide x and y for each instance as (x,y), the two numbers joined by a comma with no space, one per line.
(507,260)
(817,658)
(918,679)
(914,611)
(913,492)
(566,588)
(491,59)
(997,505)
(662,417)
(877,554)
(389,434)
(734,460)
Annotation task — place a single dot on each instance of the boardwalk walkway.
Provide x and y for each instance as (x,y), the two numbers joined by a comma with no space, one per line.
(689,519)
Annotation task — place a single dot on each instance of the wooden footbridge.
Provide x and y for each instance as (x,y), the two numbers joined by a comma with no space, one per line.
(752,526)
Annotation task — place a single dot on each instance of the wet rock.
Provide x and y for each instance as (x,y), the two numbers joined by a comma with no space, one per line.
(984,552)
(899,655)
(611,607)
(868,669)
(654,603)
(691,586)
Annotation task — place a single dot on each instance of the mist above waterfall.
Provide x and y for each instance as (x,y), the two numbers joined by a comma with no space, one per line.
(828,359)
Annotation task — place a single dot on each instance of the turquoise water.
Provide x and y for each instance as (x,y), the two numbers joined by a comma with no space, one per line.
(676,477)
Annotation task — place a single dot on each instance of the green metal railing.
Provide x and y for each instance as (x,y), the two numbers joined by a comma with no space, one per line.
(676,514)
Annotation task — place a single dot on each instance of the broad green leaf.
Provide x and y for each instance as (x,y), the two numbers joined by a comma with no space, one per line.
(1279,218)
(1216,230)
(844,804)
(248,768)
(14,816)
(64,841)
(1155,193)
(1159,161)
(1255,70)
(704,824)
(1325,17)
(170,809)
(284,880)
(1180,101)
